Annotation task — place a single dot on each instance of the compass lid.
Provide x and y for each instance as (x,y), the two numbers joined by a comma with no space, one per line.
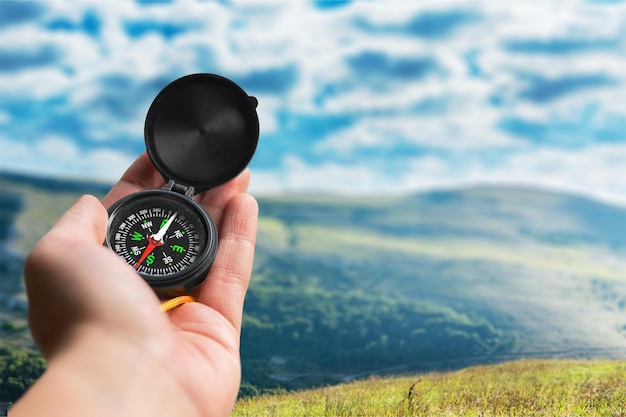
(201,131)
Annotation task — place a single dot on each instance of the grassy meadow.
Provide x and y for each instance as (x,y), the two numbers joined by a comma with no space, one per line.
(521,388)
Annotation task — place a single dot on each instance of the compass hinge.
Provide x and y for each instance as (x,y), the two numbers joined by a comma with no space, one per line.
(188,191)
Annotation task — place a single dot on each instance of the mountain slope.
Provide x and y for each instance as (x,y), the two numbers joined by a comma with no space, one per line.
(503,272)
(346,287)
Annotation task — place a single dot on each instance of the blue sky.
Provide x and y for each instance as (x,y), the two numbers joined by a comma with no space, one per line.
(354,96)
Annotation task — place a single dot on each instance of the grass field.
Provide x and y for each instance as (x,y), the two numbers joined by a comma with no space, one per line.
(520,388)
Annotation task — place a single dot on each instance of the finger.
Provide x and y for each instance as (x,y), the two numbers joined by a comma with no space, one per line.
(85,222)
(215,200)
(226,285)
(141,175)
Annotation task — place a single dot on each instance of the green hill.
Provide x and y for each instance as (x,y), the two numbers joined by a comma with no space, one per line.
(432,281)
(345,287)
(522,388)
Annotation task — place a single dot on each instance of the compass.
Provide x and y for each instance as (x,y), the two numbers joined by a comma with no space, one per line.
(169,240)
(201,131)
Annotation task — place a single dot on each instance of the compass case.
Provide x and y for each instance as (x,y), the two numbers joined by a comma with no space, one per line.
(201,131)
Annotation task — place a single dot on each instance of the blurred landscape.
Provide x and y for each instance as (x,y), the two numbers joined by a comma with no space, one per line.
(347,287)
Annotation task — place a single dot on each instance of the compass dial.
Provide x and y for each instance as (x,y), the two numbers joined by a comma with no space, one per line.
(167,237)
(177,249)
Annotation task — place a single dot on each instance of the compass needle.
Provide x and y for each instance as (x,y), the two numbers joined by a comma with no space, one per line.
(161,233)
(145,254)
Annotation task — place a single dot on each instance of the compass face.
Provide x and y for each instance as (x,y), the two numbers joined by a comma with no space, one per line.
(166,237)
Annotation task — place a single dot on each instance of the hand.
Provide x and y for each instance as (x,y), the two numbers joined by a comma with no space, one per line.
(110,349)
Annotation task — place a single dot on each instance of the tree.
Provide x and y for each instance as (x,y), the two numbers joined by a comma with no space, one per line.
(19,369)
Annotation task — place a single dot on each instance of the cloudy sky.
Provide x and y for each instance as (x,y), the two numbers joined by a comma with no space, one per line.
(354,96)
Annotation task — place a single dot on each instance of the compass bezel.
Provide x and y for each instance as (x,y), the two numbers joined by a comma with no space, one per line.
(185,280)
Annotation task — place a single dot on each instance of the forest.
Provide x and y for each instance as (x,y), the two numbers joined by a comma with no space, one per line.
(19,368)
(299,335)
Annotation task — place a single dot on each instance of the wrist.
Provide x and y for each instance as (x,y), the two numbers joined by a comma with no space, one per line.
(99,374)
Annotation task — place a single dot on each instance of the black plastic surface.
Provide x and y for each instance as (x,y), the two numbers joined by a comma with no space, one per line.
(201,130)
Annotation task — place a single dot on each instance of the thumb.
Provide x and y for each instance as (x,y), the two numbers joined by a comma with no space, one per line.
(49,285)
(84,222)
(72,279)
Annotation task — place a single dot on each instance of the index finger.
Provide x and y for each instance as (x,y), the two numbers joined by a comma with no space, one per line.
(227,282)
(141,175)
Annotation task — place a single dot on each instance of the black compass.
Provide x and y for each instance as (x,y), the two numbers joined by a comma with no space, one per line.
(201,131)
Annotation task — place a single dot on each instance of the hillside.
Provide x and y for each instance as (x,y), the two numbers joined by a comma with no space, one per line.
(347,287)
(521,388)
(440,280)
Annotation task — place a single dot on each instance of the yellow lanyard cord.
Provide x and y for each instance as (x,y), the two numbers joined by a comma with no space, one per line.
(177,301)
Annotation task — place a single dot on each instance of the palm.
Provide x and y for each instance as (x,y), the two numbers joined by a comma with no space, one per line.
(205,348)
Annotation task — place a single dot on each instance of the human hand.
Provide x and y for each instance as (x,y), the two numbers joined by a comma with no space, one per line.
(110,349)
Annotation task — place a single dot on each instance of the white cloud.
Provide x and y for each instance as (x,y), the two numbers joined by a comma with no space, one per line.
(596,172)
(34,84)
(463,126)
(296,175)
(241,38)
(60,157)
(267,112)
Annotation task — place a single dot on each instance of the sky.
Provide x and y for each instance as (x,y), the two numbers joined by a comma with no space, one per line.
(355,97)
